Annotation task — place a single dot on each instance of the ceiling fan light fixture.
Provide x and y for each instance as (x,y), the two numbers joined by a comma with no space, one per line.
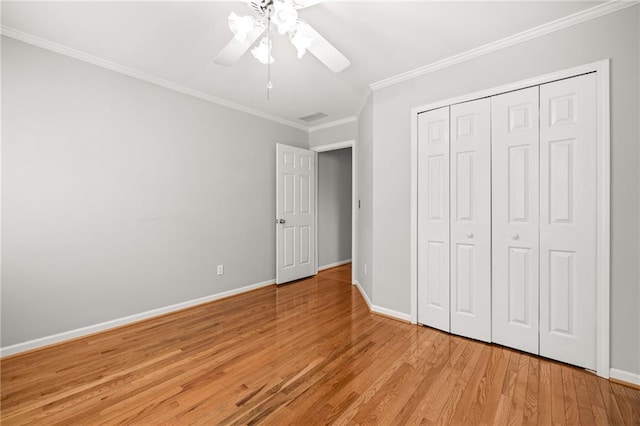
(262,52)
(241,26)
(300,40)
(284,16)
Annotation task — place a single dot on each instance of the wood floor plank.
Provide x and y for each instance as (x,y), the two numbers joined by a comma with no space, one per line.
(585,409)
(610,403)
(489,398)
(516,412)
(545,393)
(557,395)
(570,398)
(532,393)
(309,352)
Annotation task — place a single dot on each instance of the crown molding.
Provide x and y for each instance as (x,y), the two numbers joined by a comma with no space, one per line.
(332,124)
(557,25)
(85,57)
(364,100)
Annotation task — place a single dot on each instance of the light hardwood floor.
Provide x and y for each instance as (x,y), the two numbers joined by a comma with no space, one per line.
(303,353)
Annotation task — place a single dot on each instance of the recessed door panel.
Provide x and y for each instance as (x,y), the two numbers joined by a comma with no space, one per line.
(436,183)
(433,218)
(515,245)
(519,286)
(568,190)
(436,274)
(305,245)
(295,213)
(561,181)
(305,194)
(561,292)
(471,219)
(289,247)
(464,279)
(518,176)
(464,186)
(289,191)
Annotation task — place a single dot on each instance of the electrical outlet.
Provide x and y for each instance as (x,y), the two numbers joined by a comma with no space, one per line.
(365,269)
(220,269)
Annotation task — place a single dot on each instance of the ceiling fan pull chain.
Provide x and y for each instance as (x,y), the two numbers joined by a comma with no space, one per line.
(269,85)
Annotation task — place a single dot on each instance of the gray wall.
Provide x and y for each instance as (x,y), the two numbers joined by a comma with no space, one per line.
(334,206)
(365,194)
(344,132)
(120,196)
(613,36)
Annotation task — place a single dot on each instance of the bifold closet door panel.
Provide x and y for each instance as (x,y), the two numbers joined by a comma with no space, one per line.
(433,218)
(470,219)
(568,208)
(515,204)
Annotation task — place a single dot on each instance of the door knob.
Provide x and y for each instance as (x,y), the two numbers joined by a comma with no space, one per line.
(469,234)
(514,236)
(281,221)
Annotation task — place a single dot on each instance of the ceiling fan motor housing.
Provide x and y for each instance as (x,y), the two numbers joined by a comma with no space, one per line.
(262,6)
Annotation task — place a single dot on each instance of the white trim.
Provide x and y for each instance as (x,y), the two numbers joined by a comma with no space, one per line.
(391,313)
(603,236)
(625,376)
(603,217)
(82,56)
(557,25)
(413,220)
(333,146)
(354,198)
(379,309)
(1,186)
(316,173)
(333,265)
(509,87)
(364,100)
(363,293)
(332,124)
(118,322)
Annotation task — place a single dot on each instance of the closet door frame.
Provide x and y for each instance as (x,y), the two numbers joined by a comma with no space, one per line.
(603,181)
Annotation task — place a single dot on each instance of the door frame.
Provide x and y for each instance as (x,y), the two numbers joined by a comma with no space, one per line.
(354,197)
(603,179)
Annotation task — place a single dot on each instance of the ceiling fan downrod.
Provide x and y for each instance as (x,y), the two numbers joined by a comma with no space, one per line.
(269,9)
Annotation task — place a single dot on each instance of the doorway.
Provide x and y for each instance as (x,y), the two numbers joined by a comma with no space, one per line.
(335,205)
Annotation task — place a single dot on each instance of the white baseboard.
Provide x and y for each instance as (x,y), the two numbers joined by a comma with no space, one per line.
(391,313)
(379,309)
(333,265)
(363,293)
(624,376)
(79,332)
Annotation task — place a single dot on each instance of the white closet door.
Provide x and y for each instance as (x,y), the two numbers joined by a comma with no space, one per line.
(568,220)
(514,146)
(433,218)
(471,219)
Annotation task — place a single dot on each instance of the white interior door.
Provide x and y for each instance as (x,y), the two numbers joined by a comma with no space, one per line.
(433,218)
(295,213)
(470,219)
(515,204)
(568,220)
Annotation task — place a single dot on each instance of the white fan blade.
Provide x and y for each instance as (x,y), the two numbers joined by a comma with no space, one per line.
(234,50)
(301,4)
(324,51)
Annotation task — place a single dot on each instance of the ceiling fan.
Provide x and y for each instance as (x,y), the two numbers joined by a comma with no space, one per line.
(284,15)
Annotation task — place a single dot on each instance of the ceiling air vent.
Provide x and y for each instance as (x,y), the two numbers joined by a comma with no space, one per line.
(313,117)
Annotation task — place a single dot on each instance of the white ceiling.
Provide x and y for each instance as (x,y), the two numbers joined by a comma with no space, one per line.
(176,41)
